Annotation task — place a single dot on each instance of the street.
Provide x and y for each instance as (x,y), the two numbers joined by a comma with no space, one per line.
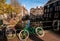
(49,36)
(17,15)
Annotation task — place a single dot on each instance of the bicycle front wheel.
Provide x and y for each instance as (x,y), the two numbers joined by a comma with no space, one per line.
(23,35)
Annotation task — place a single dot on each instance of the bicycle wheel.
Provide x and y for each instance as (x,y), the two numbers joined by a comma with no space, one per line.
(39,31)
(10,33)
(23,35)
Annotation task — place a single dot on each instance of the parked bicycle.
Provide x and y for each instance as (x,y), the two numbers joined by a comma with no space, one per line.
(11,32)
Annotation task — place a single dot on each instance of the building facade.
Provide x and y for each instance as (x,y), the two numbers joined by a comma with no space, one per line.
(52,10)
(37,11)
(25,11)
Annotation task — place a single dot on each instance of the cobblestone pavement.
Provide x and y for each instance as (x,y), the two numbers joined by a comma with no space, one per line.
(49,36)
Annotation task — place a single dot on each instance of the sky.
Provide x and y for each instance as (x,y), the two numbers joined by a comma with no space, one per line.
(31,3)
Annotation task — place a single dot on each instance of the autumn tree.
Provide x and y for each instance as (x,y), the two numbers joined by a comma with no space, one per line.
(5,8)
(16,5)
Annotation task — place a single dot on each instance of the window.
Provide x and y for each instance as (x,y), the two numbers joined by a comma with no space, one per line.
(55,4)
(47,15)
(50,15)
(56,15)
(48,6)
(51,9)
(47,10)
(58,8)
(58,2)
(44,15)
(55,8)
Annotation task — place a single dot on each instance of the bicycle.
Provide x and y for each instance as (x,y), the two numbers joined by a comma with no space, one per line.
(24,34)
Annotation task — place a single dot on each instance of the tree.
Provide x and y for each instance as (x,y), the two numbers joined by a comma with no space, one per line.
(16,6)
(9,8)
(2,1)
(5,8)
